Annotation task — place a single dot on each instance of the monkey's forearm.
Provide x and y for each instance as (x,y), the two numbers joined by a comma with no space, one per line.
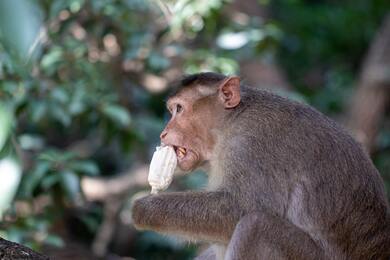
(198,215)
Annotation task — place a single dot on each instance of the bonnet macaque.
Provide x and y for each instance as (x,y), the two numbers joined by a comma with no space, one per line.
(285,181)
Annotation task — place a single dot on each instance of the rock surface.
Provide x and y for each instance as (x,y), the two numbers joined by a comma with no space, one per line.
(10,250)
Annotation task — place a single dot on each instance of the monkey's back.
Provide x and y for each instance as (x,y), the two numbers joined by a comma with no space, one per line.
(305,167)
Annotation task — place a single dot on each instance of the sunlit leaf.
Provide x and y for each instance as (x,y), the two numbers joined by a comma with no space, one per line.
(10,174)
(50,59)
(5,125)
(231,41)
(21,27)
(31,142)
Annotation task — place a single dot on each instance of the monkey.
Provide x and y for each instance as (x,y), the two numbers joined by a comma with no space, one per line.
(284,180)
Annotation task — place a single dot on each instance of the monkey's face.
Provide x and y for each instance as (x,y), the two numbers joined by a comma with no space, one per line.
(190,129)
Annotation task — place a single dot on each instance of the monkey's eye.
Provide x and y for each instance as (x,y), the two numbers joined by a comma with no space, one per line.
(179,108)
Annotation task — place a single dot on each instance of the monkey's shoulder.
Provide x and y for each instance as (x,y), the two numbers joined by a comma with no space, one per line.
(273,115)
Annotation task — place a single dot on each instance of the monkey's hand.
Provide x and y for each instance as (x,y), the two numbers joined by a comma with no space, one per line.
(208,216)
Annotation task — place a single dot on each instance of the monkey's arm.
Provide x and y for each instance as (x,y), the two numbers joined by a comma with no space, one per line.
(208,216)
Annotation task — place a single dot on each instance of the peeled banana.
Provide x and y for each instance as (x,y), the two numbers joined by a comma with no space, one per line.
(161,168)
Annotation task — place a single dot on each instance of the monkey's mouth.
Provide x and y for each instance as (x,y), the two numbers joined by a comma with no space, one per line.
(180,152)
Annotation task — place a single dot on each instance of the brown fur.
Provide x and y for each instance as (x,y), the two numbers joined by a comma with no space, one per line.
(286,182)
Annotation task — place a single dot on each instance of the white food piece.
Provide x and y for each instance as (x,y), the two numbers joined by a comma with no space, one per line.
(161,168)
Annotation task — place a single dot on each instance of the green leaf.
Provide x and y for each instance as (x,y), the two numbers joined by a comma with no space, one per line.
(117,114)
(15,234)
(60,114)
(54,240)
(50,59)
(88,167)
(32,179)
(77,104)
(20,27)
(49,156)
(39,110)
(5,125)
(59,94)
(70,183)
(55,156)
(158,62)
(50,180)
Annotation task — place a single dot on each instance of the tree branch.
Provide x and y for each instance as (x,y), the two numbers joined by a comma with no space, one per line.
(369,102)
(100,189)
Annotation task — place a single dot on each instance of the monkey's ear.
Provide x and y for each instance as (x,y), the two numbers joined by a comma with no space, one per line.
(229,92)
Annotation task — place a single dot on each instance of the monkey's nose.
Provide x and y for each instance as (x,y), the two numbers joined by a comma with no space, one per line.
(163,134)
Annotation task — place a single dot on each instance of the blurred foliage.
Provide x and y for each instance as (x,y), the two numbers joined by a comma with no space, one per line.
(83,83)
(323,45)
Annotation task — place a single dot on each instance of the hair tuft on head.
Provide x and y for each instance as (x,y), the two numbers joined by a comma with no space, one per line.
(209,79)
